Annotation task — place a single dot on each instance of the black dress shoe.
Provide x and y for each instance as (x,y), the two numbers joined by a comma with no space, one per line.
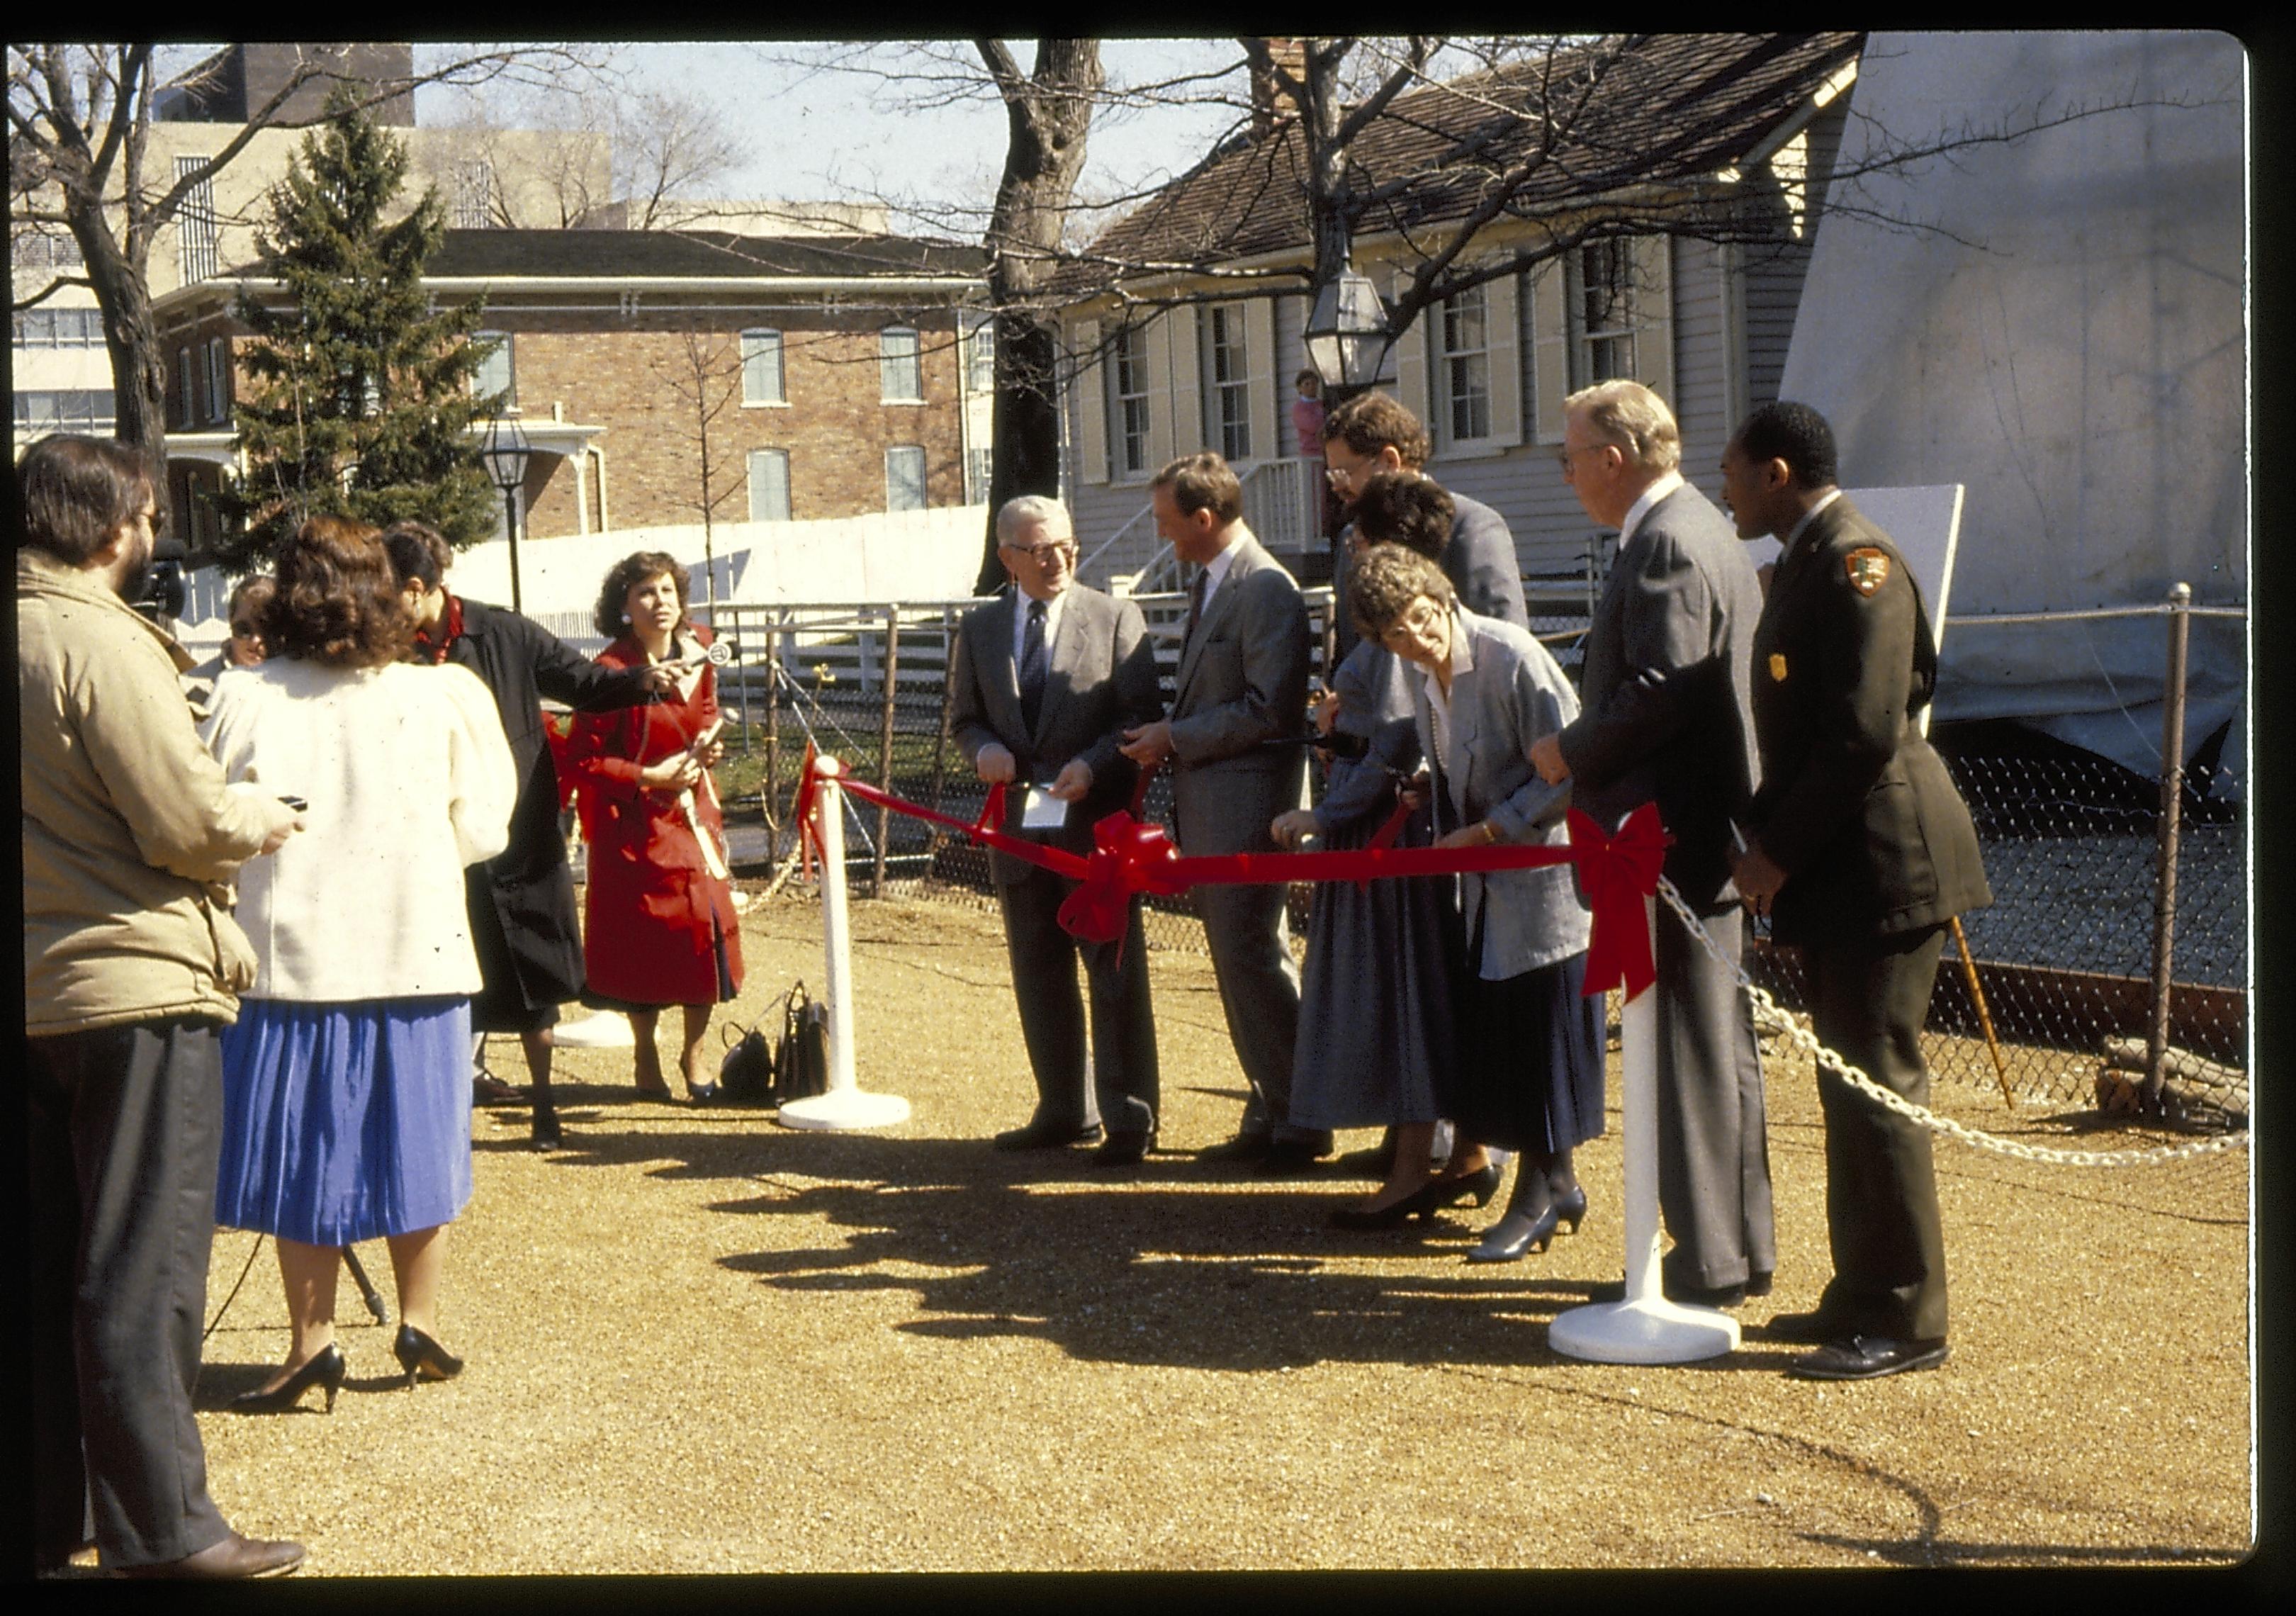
(233,1558)
(1289,1159)
(1124,1148)
(1048,1136)
(1244,1147)
(422,1358)
(1867,1358)
(324,1368)
(1810,1328)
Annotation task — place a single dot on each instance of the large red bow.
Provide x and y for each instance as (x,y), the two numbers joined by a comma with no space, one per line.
(1127,858)
(1617,874)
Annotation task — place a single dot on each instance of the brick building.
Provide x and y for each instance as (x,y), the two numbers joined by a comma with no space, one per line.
(836,371)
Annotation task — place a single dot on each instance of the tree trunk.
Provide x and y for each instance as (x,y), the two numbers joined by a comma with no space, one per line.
(139,379)
(1048,113)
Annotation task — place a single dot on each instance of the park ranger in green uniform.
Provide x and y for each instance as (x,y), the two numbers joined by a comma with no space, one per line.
(1861,852)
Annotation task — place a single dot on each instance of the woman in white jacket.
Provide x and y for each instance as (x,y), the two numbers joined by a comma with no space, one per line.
(346,1078)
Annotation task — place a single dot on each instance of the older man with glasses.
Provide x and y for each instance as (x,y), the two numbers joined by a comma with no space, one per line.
(1043,682)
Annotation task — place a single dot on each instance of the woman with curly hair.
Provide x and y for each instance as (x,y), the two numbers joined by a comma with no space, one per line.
(658,922)
(346,1078)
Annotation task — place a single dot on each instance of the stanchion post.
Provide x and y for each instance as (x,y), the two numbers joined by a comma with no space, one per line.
(892,669)
(843,1105)
(1646,1328)
(2172,801)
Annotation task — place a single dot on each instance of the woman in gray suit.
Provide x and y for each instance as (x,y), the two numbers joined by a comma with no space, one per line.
(1530,1078)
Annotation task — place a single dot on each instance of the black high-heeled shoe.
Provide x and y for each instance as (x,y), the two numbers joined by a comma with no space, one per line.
(324,1368)
(422,1358)
(1433,1196)
(1571,1209)
(1516,1235)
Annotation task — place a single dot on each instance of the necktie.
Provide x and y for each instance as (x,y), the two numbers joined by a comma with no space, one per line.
(1032,666)
(1196,607)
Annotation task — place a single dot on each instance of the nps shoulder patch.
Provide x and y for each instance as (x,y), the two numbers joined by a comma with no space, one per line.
(1868,568)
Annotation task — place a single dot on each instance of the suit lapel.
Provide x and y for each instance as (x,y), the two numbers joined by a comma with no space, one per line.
(1000,675)
(1063,656)
(1222,599)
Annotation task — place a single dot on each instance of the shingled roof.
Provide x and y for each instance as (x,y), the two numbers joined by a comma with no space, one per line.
(649,254)
(1644,110)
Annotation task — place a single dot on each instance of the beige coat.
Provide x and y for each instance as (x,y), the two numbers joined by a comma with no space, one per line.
(131,837)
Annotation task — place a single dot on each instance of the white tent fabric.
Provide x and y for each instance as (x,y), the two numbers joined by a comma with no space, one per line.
(2062,330)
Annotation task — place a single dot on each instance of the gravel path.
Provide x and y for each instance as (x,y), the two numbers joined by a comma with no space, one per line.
(699,1342)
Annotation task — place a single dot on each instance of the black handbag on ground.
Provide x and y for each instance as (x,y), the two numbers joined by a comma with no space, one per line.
(801,1061)
(745,1076)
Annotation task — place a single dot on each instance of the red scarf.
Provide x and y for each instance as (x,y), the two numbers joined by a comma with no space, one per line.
(447,630)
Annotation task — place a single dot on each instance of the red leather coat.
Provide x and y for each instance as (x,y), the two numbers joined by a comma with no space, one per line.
(652,903)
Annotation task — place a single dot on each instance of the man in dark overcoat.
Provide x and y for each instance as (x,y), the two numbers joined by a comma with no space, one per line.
(1666,721)
(1862,852)
(1042,685)
(524,924)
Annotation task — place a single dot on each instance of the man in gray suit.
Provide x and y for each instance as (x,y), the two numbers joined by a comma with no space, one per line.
(1667,720)
(1372,433)
(1041,682)
(1238,707)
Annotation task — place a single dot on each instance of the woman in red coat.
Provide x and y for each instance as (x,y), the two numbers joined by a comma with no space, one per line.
(658,926)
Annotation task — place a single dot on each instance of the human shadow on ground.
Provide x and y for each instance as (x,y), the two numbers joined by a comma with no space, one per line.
(1176,1262)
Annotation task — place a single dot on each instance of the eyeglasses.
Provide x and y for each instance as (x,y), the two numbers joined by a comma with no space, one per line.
(1562,456)
(1041,554)
(1417,619)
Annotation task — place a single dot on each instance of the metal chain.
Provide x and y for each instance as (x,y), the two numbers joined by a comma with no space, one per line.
(1922,1115)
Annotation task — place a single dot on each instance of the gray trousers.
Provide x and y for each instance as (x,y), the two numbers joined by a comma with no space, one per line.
(1713,1147)
(1123,1094)
(124,1128)
(1259,991)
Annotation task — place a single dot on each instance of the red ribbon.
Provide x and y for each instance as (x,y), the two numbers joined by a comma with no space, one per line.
(1615,873)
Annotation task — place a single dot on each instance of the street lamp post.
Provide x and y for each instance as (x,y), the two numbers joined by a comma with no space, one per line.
(506,452)
(1348,345)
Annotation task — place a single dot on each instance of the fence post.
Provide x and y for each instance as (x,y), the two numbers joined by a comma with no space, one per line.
(947,700)
(772,721)
(885,741)
(2172,792)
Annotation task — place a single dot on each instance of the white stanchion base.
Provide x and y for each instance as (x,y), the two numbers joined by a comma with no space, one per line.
(844,1108)
(1653,1331)
(604,1030)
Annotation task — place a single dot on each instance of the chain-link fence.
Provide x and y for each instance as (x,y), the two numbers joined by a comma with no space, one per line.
(2062,960)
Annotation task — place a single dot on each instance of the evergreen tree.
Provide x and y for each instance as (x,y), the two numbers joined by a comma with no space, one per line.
(359,401)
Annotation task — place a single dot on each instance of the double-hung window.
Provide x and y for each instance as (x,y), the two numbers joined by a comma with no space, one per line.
(897,366)
(905,477)
(761,368)
(1230,373)
(1462,377)
(1129,382)
(769,485)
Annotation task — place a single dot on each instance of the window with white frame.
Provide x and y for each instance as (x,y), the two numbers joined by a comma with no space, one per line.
(1463,372)
(905,477)
(474,194)
(897,368)
(980,356)
(497,371)
(979,462)
(58,328)
(761,368)
(1128,380)
(769,488)
(1229,398)
(40,412)
(1606,303)
(218,379)
(195,224)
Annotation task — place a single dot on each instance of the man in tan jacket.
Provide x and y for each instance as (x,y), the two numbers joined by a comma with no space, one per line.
(131,961)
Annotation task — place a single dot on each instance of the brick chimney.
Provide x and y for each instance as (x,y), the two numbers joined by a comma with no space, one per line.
(1269,101)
